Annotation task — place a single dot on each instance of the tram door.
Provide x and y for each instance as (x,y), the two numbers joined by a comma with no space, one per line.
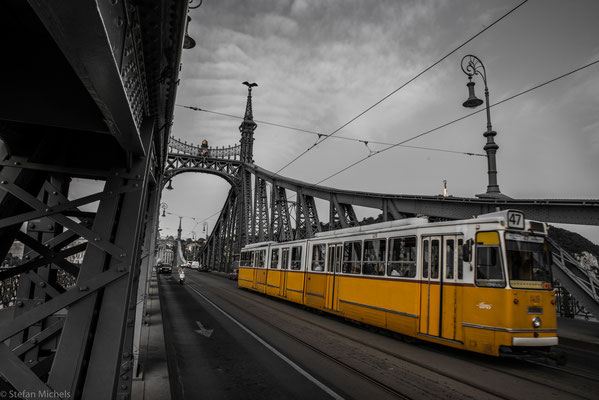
(430,291)
(284,269)
(335,252)
(450,276)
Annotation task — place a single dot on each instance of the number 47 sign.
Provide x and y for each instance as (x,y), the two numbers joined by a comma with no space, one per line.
(515,219)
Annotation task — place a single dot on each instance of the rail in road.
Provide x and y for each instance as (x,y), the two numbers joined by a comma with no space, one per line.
(225,342)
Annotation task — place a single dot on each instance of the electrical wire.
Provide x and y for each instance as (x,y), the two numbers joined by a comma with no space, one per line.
(402,86)
(336,137)
(457,120)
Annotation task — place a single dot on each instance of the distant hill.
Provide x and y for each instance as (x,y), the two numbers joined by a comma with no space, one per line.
(572,242)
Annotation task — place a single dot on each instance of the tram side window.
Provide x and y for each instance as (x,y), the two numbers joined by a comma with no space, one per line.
(402,257)
(426,259)
(245,259)
(489,268)
(274,258)
(285,258)
(435,248)
(374,257)
(260,258)
(296,258)
(352,253)
(318,254)
(449,258)
(251,262)
(460,259)
(489,271)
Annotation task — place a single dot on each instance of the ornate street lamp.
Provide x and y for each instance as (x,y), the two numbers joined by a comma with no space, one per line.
(472,65)
(170,185)
(164,206)
(188,42)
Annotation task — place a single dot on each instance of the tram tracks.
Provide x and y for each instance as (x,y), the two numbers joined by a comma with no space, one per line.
(428,367)
(525,374)
(522,374)
(386,388)
(365,376)
(563,370)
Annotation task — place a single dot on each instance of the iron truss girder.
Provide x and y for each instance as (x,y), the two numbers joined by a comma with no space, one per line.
(225,241)
(83,326)
(307,223)
(261,225)
(342,215)
(225,168)
(579,281)
(107,58)
(281,230)
(245,216)
(568,211)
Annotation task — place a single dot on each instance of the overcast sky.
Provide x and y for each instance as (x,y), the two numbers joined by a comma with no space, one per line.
(320,63)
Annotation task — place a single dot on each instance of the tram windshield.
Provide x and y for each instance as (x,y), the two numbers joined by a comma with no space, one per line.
(528,261)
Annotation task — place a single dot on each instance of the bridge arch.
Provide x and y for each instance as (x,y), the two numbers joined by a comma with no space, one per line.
(178,164)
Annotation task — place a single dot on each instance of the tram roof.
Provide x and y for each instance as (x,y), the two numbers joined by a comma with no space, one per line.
(372,227)
(497,216)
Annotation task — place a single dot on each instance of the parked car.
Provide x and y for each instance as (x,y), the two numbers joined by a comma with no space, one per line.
(234,275)
(165,269)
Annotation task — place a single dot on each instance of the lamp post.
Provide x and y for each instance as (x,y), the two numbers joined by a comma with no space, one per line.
(472,65)
(205,228)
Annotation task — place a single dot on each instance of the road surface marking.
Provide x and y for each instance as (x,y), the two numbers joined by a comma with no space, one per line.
(293,365)
(203,331)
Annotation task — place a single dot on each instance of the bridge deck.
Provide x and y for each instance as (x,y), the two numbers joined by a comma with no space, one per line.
(578,334)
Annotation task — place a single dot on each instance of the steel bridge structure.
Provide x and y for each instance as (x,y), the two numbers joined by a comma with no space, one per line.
(90,97)
(264,206)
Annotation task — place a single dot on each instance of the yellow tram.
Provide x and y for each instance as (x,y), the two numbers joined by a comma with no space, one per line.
(482,284)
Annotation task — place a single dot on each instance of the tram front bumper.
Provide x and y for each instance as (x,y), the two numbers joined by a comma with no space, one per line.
(535,342)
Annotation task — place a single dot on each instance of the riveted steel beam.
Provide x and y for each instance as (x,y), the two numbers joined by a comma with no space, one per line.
(261,225)
(246,225)
(119,218)
(567,211)
(96,50)
(280,221)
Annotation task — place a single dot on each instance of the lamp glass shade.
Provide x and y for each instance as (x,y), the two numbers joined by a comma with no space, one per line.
(472,101)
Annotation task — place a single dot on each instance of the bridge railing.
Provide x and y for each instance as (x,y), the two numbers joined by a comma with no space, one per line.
(577,280)
(229,152)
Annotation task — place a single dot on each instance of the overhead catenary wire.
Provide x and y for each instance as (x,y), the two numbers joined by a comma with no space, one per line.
(401,143)
(402,86)
(197,220)
(335,137)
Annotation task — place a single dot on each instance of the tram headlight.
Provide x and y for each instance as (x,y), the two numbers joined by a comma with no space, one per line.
(536,322)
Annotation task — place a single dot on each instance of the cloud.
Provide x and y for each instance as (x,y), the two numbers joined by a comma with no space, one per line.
(319,64)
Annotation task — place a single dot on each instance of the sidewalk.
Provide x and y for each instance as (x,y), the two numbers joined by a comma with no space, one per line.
(578,333)
(153,382)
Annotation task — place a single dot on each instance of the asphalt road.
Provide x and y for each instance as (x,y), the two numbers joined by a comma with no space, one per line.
(227,343)
(219,359)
